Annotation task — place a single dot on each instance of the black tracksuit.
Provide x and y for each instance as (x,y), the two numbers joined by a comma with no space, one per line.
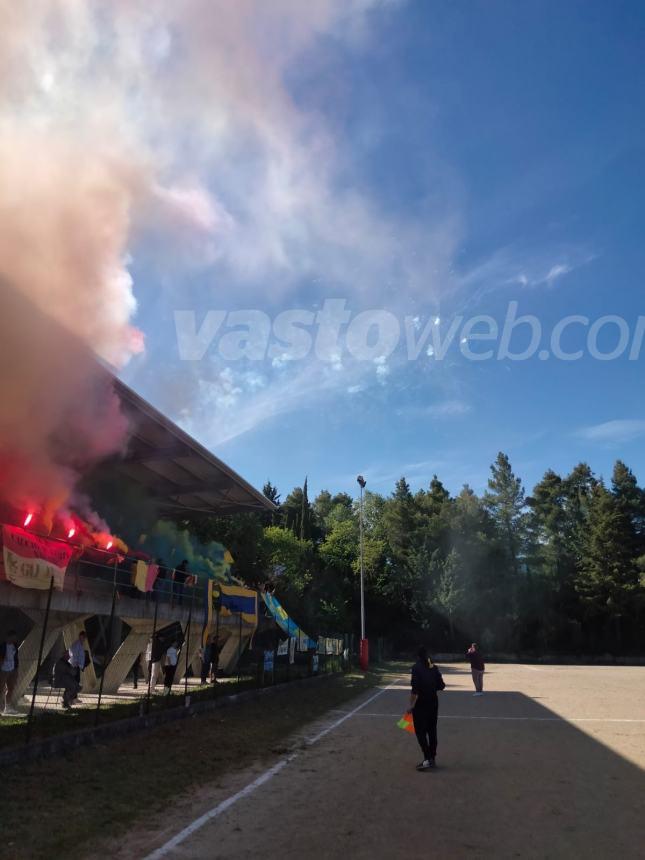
(425,683)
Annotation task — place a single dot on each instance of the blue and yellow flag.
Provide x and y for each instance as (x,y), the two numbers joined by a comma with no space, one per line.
(237,600)
(287,624)
(229,600)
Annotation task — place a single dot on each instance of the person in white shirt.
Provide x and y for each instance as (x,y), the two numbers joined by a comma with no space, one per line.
(172,657)
(8,672)
(77,655)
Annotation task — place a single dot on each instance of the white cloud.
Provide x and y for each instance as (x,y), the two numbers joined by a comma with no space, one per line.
(253,381)
(512,267)
(280,360)
(614,432)
(382,369)
(182,116)
(556,272)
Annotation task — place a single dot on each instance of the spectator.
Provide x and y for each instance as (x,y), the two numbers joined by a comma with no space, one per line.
(77,656)
(154,656)
(210,659)
(477,668)
(65,677)
(172,657)
(8,672)
(181,575)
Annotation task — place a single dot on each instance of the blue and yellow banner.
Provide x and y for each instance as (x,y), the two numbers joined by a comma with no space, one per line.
(236,600)
(288,625)
(230,600)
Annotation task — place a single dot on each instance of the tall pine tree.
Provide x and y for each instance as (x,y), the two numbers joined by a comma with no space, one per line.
(505,502)
(607,580)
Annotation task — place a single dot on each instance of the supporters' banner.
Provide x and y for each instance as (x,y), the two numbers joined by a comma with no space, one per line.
(286,624)
(268,661)
(292,649)
(327,645)
(144,575)
(215,598)
(306,643)
(236,600)
(31,561)
(283,648)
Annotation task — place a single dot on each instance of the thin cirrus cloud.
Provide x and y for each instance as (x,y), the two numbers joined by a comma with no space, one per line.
(512,267)
(614,432)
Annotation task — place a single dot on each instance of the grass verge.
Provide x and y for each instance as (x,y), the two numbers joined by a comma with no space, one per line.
(60,807)
(46,725)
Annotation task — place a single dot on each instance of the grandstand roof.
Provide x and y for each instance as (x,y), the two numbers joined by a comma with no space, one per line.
(179,473)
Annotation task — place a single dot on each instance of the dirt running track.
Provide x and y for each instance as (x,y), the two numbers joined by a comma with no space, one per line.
(547,764)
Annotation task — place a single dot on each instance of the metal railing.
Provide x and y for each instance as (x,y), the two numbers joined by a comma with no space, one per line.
(96,579)
(149,686)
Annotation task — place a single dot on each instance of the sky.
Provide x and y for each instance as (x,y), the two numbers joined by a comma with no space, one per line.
(422,162)
(496,143)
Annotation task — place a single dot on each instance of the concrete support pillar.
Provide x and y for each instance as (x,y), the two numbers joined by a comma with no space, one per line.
(134,644)
(231,650)
(186,656)
(196,665)
(28,651)
(117,635)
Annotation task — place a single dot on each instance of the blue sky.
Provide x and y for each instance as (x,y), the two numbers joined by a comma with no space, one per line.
(431,159)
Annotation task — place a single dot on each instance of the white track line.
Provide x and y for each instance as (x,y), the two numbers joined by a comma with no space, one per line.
(216,811)
(529,719)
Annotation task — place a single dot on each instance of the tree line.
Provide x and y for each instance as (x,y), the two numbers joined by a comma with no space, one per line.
(559,570)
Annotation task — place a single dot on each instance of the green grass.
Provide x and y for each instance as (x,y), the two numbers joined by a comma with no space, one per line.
(61,806)
(45,725)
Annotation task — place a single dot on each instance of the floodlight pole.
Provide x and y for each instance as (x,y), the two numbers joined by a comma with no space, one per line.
(364,653)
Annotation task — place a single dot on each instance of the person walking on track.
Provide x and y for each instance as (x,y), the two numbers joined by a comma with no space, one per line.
(424,706)
(477,667)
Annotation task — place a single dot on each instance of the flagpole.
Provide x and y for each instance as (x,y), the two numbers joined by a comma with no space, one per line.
(40,658)
(364,658)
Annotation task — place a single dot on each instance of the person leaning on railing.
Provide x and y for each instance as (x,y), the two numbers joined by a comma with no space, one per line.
(181,575)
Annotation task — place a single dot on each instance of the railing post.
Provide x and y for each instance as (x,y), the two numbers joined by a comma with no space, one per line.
(108,653)
(152,645)
(40,659)
(187,639)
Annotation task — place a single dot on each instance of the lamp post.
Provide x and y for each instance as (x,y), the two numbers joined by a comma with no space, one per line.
(364,650)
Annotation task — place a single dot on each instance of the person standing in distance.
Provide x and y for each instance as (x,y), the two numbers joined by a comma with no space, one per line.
(477,667)
(424,706)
